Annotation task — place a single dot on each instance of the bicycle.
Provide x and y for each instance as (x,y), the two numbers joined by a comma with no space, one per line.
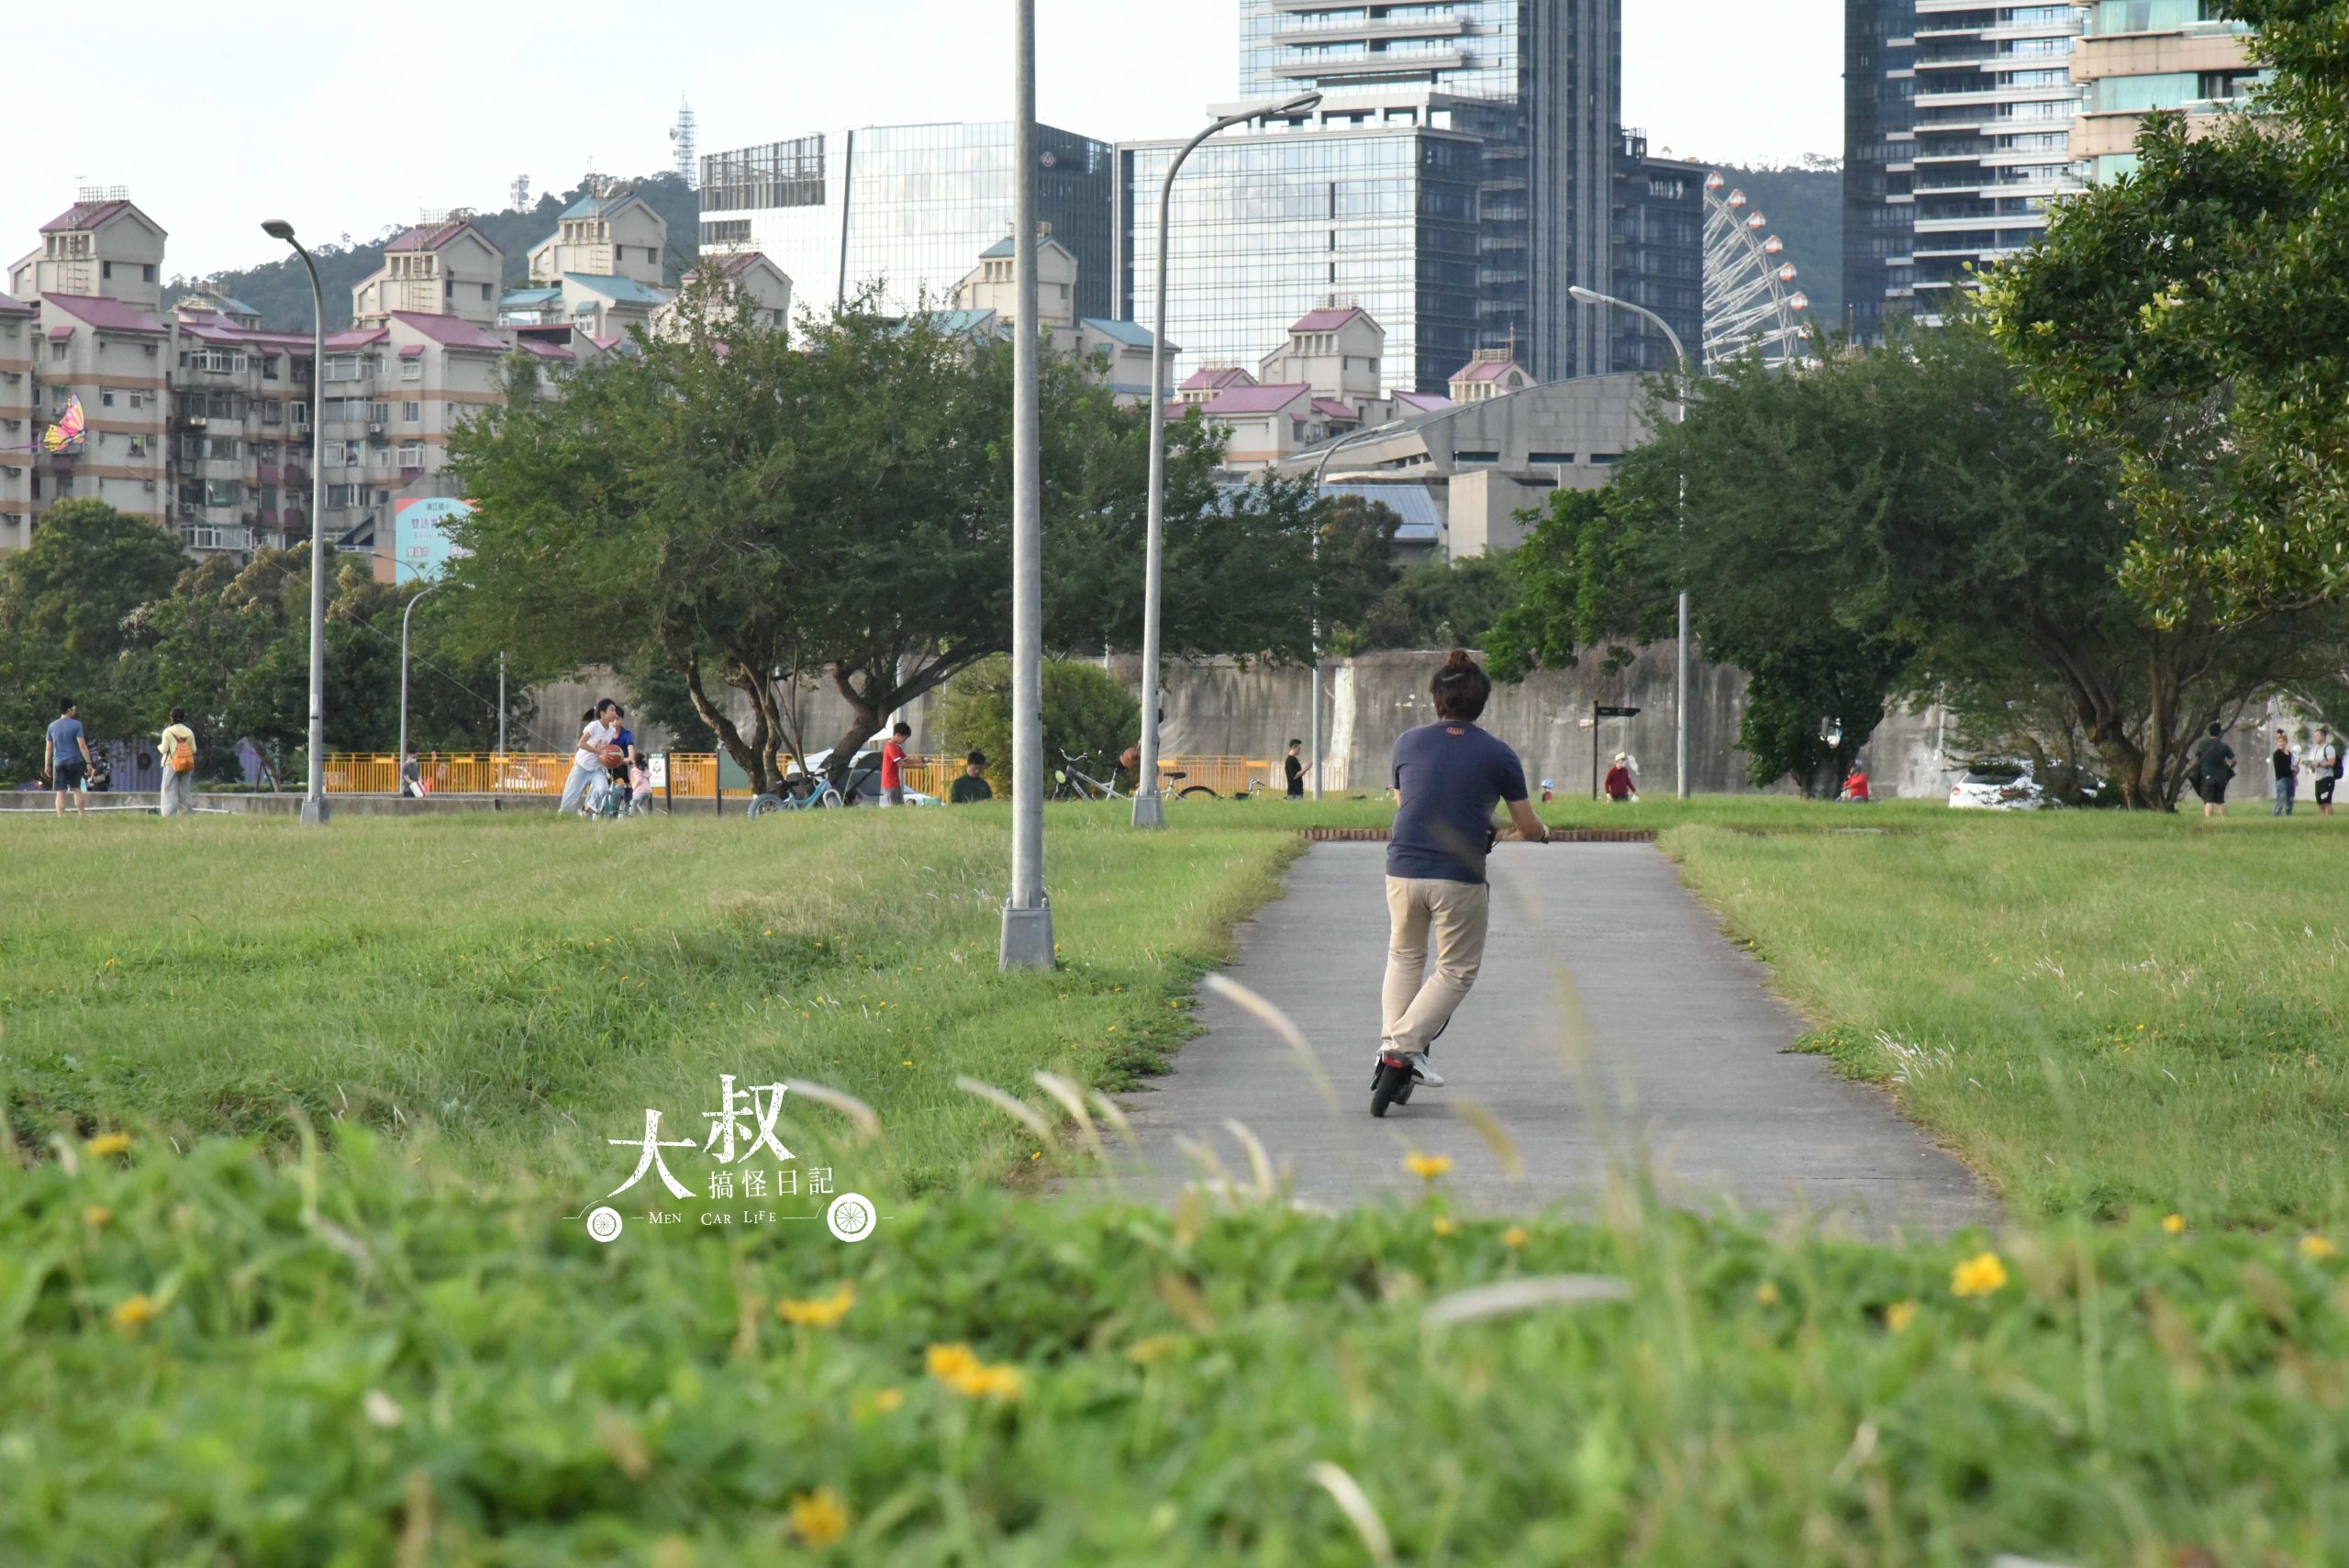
(814,794)
(1072,783)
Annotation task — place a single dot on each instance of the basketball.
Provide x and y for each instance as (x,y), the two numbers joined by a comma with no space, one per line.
(612,756)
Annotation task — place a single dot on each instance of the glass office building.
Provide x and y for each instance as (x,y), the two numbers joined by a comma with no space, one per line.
(1536,81)
(908,207)
(1268,227)
(1659,256)
(1879,150)
(1994,102)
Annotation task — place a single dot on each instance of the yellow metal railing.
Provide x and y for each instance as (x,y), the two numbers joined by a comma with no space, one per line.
(694,775)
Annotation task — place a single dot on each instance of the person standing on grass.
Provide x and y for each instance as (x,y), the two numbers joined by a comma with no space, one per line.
(2213,761)
(176,747)
(1448,777)
(2285,766)
(2323,760)
(1617,784)
(1293,765)
(65,755)
(893,764)
(595,732)
(621,777)
(973,786)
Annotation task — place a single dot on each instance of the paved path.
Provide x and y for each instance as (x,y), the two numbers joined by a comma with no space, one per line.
(1684,1058)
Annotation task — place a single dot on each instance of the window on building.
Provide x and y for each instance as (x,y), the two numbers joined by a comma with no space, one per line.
(412,370)
(346,495)
(411,413)
(1476,457)
(106,269)
(222,492)
(57,351)
(298,413)
(485,291)
(411,454)
(269,368)
(105,397)
(272,412)
(146,272)
(1560,458)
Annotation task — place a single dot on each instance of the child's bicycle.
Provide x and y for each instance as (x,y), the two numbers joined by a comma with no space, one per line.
(813,793)
(609,799)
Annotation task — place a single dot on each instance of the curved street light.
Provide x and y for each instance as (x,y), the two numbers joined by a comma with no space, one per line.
(1320,468)
(1148,810)
(314,798)
(1679,417)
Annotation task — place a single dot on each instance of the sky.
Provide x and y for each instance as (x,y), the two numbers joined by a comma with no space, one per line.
(344,120)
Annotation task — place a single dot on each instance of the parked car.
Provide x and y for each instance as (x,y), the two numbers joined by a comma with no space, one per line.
(863,785)
(1998,786)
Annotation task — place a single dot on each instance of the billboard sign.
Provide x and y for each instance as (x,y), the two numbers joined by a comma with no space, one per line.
(421,548)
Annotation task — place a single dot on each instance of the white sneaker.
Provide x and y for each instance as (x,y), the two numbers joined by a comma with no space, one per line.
(1424,1075)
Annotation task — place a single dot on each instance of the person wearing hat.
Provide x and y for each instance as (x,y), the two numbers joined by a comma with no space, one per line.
(1618,785)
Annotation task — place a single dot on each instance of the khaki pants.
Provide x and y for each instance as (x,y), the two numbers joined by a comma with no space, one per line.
(1450,915)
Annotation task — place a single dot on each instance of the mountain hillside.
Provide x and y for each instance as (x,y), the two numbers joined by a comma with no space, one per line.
(281,290)
(1804,206)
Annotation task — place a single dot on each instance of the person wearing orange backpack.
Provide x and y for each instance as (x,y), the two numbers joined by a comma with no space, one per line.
(177,748)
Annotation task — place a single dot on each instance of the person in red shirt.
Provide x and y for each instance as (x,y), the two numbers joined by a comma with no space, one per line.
(1618,785)
(893,764)
(1855,788)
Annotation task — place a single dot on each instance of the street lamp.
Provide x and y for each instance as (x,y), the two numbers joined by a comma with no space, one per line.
(1027,940)
(404,619)
(314,799)
(1679,417)
(1148,810)
(1320,468)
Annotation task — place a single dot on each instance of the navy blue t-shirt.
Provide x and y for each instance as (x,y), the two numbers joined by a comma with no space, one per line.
(1452,775)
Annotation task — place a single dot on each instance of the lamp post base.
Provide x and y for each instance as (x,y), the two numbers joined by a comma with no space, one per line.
(314,813)
(1149,811)
(1027,939)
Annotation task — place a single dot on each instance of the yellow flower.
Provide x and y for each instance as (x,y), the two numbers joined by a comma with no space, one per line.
(106,1143)
(1427,1167)
(819,1518)
(822,1312)
(97,1217)
(1767,1294)
(1156,1347)
(950,1361)
(880,1401)
(962,1372)
(1899,1315)
(1514,1237)
(2173,1224)
(2317,1249)
(1445,1225)
(133,1314)
(1981,1275)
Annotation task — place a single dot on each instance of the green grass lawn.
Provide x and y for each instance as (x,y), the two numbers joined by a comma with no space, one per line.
(2103,1013)
(394,1342)
(526,987)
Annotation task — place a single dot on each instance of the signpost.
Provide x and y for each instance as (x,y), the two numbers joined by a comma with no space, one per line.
(1597,712)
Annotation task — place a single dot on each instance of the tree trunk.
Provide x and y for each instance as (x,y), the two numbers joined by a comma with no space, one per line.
(754,756)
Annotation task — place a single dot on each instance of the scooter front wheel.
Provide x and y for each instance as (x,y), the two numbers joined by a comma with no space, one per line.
(1391,1086)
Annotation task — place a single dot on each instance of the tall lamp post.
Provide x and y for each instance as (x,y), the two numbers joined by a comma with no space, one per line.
(1027,941)
(1320,468)
(404,619)
(1148,810)
(1679,417)
(314,798)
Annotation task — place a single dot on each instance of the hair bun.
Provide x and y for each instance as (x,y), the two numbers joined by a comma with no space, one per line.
(1458,659)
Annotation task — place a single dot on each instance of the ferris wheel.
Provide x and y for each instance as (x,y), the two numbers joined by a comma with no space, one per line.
(1752,306)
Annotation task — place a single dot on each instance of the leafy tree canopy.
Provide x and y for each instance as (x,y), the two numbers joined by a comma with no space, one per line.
(2190,318)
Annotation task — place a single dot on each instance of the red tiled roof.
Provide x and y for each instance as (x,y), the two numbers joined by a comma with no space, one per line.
(411,351)
(1269,399)
(213,331)
(82,215)
(11,306)
(1326,320)
(1216,377)
(1426,402)
(609,344)
(450,331)
(105,314)
(548,350)
(1334,409)
(1486,370)
(358,338)
(428,237)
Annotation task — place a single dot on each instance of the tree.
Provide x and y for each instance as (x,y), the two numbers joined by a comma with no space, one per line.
(747,511)
(2190,318)
(1898,523)
(66,604)
(1437,604)
(1086,710)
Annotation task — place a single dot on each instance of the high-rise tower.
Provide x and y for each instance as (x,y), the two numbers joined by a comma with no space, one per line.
(1879,159)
